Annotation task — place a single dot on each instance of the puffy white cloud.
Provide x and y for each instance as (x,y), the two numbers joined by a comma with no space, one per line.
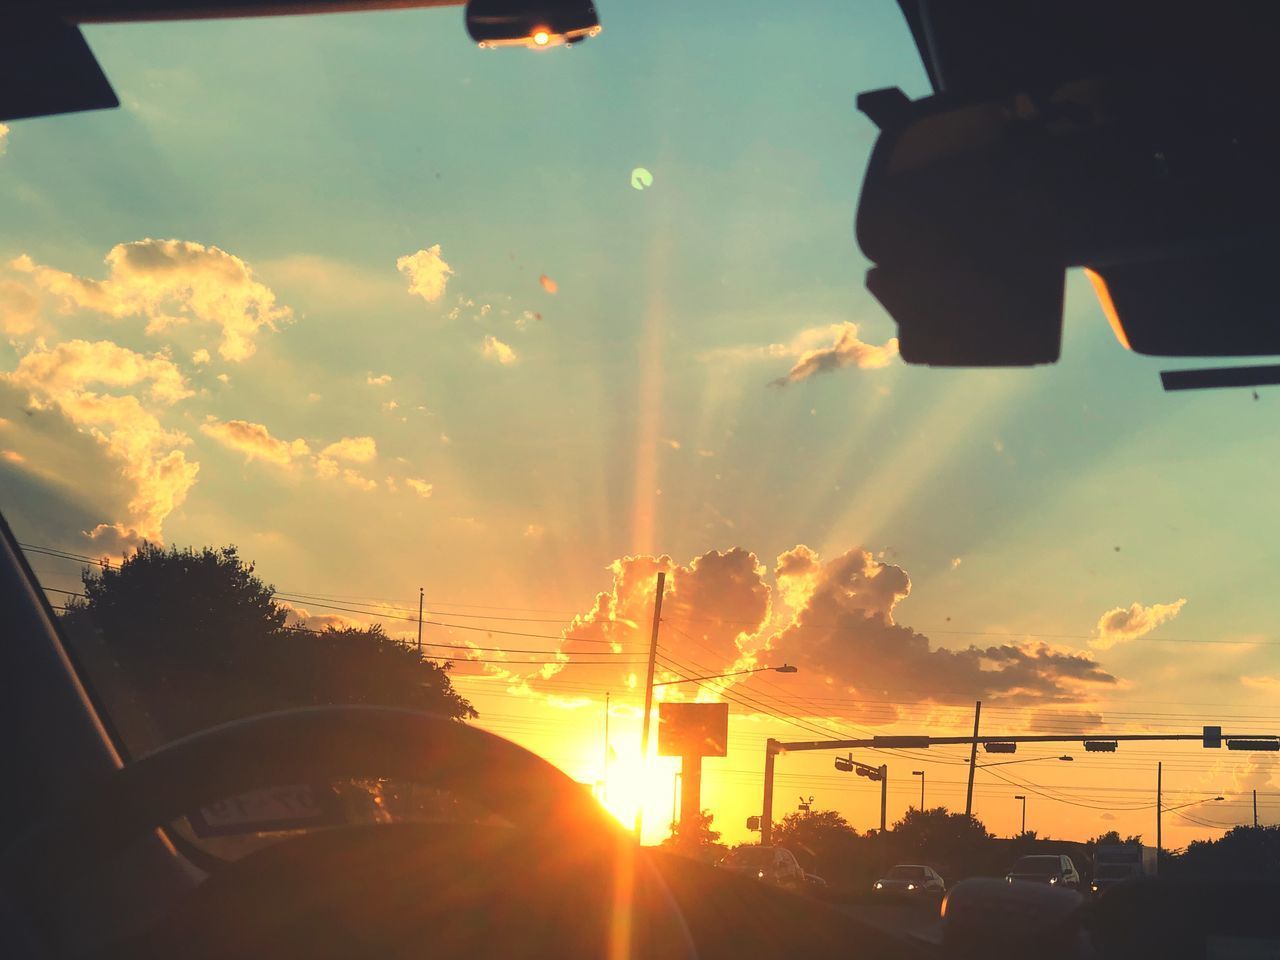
(495,349)
(200,357)
(353,449)
(255,441)
(1129,623)
(420,487)
(57,378)
(379,381)
(427,272)
(172,283)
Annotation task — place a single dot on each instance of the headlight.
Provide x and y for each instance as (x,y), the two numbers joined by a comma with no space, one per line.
(1008,879)
(879,885)
(1053,879)
(1093,887)
(911,886)
(760,874)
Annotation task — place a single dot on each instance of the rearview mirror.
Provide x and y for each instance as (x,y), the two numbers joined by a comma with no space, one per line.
(531,23)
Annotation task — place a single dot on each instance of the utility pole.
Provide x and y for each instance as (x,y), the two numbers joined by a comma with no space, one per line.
(420,596)
(1023,798)
(648,693)
(920,774)
(766,815)
(1159,806)
(1255,809)
(884,795)
(973,760)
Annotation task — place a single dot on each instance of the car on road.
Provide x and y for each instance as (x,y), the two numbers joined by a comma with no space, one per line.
(910,878)
(773,865)
(1053,869)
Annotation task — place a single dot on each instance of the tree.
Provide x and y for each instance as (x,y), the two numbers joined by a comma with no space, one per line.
(701,842)
(192,638)
(1242,854)
(952,842)
(1112,837)
(812,831)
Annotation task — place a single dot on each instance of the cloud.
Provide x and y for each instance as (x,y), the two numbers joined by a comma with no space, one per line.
(420,487)
(843,630)
(353,449)
(200,357)
(1268,684)
(390,405)
(1056,721)
(427,272)
(379,381)
(534,531)
(1122,624)
(19,307)
(255,441)
(296,616)
(13,456)
(956,561)
(846,350)
(359,481)
(1107,816)
(495,349)
(172,283)
(4,138)
(815,350)
(159,475)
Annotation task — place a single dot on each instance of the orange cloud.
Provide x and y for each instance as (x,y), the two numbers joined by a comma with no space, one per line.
(56,378)
(1129,623)
(255,441)
(354,449)
(495,349)
(172,283)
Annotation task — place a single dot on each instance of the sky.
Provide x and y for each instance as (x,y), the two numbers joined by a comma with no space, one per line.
(390,312)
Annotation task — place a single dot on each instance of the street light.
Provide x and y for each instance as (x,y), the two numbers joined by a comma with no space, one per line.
(1191,804)
(785,668)
(1023,798)
(1001,763)
(920,774)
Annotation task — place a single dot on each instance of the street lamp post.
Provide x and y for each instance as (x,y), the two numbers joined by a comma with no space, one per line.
(1023,798)
(785,668)
(1160,808)
(920,774)
(1002,763)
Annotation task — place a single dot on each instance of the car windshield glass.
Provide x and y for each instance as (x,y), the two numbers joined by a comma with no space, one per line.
(347,362)
(751,857)
(1037,865)
(906,873)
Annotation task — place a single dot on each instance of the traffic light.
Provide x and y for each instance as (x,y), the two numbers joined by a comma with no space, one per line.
(1100,746)
(753,823)
(845,764)
(1000,747)
(1253,744)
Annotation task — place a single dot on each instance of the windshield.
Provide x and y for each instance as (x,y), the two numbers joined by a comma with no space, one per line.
(906,873)
(1037,865)
(751,857)
(347,362)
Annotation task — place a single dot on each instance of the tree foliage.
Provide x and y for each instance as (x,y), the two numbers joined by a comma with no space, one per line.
(196,638)
(1241,854)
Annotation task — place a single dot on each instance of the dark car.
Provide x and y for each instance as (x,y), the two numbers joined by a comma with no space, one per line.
(1055,870)
(910,878)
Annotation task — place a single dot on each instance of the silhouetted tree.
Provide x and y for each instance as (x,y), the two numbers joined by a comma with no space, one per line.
(1241,854)
(192,638)
(701,842)
(951,842)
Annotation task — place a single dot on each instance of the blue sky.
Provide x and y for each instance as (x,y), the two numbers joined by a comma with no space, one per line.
(638,416)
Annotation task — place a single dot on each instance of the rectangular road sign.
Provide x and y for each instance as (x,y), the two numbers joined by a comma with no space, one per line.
(693,729)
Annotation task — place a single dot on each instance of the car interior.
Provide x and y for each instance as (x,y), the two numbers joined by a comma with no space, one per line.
(1126,138)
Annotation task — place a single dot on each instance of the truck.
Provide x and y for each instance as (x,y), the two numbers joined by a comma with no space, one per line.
(1115,862)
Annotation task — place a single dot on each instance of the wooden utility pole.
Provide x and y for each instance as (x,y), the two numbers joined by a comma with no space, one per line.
(420,596)
(648,693)
(884,795)
(973,760)
(1255,808)
(1159,808)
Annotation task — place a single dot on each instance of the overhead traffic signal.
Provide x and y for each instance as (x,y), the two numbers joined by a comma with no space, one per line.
(1100,746)
(1000,747)
(1253,745)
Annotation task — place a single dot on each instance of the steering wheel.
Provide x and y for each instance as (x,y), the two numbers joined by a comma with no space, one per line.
(562,880)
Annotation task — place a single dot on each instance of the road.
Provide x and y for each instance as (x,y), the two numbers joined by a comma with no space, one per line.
(901,917)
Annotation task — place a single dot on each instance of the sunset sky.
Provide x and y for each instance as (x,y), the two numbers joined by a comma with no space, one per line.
(387,312)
